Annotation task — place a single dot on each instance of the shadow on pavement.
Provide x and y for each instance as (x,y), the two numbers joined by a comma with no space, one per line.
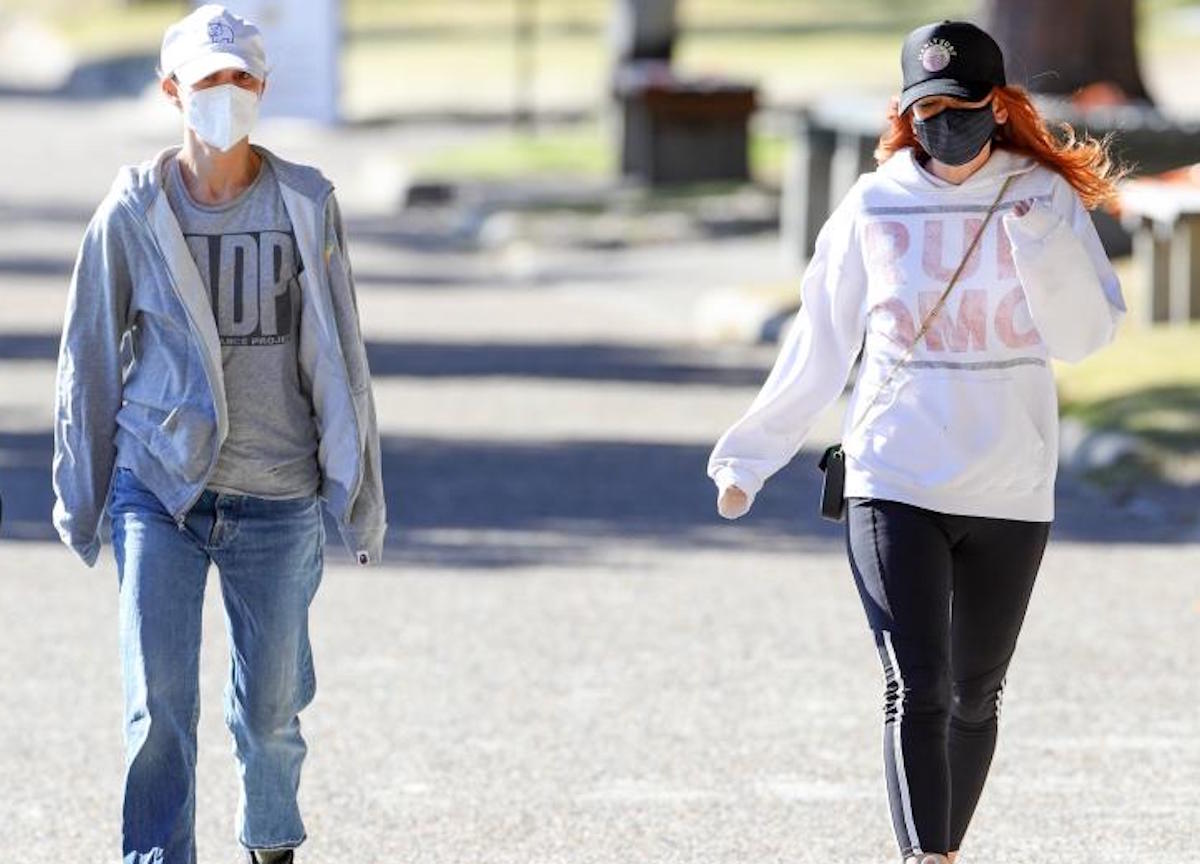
(29,346)
(732,367)
(25,459)
(36,265)
(26,212)
(581,493)
(546,275)
(566,360)
(484,504)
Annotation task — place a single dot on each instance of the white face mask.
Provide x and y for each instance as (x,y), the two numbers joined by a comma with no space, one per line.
(221,116)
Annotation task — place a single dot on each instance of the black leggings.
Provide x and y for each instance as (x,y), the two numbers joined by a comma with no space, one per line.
(945,596)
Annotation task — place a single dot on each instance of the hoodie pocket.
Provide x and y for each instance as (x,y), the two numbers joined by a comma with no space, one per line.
(181,439)
(967,443)
(183,442)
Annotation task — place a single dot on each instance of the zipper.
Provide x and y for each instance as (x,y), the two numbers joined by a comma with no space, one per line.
(181,516)
(323,227)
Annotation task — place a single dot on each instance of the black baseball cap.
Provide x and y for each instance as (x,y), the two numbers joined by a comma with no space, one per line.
(953,58)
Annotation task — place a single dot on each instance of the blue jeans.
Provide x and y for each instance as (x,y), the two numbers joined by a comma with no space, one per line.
(269,556)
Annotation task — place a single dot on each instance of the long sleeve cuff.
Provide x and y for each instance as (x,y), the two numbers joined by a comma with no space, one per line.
(1062,287)
(726,477)
(1033,227)
(88,552)
(365,545)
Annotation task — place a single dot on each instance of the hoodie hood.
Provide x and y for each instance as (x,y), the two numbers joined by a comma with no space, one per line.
(903,169)
(138,185)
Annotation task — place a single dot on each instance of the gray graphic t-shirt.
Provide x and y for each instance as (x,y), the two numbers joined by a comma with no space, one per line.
(248,258)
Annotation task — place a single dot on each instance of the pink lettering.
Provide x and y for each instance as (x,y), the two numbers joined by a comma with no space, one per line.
(1005,268)
(1013,308)
(886,244)
(967,332)
(933,254)
(900,329)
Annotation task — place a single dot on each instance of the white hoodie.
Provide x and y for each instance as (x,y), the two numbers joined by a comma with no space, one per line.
(970,424)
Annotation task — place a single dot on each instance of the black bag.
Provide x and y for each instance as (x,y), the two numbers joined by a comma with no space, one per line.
(833,488)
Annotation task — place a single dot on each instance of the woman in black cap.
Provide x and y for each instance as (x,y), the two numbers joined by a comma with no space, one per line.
(950,441)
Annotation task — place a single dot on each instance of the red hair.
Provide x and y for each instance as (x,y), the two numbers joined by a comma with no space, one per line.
(1084,162)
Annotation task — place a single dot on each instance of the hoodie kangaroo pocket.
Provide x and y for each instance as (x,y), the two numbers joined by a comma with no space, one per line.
(183,442)
(970,443)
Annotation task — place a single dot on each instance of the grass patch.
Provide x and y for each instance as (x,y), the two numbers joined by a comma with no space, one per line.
(97,28)
(1147,383)
(586,152)
(768,154)
(512,155)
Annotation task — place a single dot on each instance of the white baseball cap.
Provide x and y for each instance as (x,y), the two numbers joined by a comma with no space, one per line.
(211,39)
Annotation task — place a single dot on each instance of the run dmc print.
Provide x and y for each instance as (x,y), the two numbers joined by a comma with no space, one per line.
(987,311)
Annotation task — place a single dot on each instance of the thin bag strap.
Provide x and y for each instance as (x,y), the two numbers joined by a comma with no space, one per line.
(935,311)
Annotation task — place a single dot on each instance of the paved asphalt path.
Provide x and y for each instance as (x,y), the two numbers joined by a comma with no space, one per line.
(567,657)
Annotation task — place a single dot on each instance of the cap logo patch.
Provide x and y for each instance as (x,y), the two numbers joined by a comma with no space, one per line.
(220,32)
(936,55)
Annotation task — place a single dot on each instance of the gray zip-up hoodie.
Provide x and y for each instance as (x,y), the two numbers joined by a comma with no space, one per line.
(139,370)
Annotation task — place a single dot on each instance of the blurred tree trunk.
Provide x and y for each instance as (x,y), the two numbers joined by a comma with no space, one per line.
(1062,46)
(643,30)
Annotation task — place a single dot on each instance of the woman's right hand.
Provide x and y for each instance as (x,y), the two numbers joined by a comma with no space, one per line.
(1020,208)
(732,502)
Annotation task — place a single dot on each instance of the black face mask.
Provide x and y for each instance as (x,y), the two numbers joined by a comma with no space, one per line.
(954,136)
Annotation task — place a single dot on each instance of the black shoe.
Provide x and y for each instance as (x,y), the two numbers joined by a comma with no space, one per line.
(277,856)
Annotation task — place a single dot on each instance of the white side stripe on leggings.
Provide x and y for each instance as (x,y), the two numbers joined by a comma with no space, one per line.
(897,748)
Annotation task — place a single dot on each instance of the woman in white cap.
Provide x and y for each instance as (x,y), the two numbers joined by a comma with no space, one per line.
(241,402)
(949,446)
